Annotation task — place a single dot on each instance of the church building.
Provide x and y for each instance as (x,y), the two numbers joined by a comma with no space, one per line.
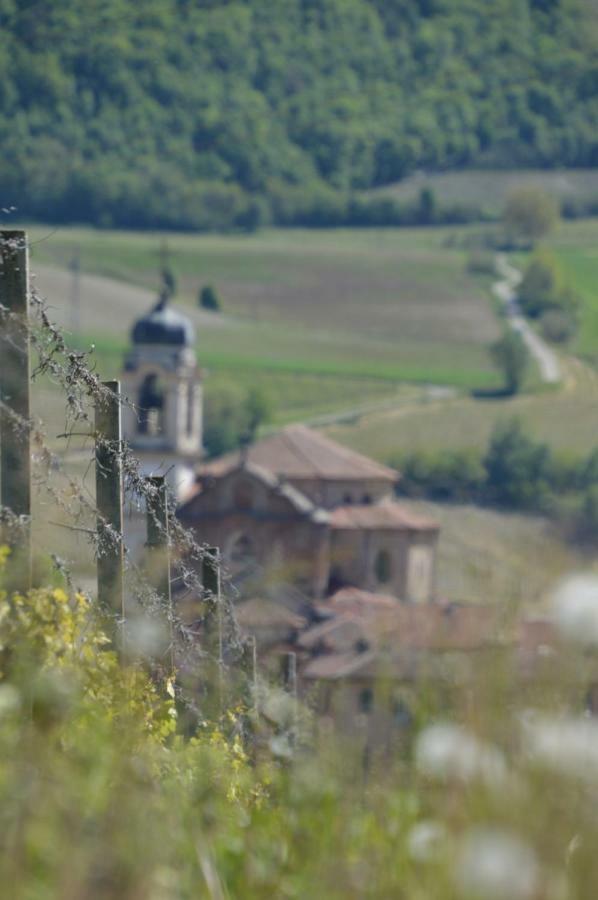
(295,510)
(162,381)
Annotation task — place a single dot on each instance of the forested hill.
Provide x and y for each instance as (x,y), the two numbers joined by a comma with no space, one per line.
(200,113)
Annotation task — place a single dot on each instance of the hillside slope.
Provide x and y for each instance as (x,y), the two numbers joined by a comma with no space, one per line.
(208,113)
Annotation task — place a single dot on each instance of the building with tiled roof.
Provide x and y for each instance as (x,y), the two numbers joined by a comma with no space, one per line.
(296,508)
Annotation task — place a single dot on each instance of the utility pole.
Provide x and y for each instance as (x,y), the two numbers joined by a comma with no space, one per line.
(75,267)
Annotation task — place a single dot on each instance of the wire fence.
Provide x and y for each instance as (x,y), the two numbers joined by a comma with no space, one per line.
(140,601)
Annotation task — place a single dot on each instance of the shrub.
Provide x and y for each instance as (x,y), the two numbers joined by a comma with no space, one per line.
(517,468)
(209,299)
(529,214)
(543,289)
(557,326)
(233,415)
(456,475)
(511,356)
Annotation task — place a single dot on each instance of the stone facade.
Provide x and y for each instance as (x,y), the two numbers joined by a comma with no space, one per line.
(280,529)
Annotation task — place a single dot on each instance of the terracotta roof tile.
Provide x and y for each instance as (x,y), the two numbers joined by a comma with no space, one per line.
(428,626)
(298,452)
(382,516)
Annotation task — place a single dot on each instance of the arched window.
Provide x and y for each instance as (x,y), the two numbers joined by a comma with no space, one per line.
(151,406)
(347,499)
(366,499)
(366,700)
(383,566)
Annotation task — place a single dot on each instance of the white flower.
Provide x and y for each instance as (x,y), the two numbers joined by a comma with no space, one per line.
(568,746)
(425,840)
(496,865)
(575,608)
(448,751)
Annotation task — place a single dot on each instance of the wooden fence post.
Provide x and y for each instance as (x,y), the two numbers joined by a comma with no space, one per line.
(290,683)
(290,673)
(210,579)
(109,501)
(15,436)
(249,661)
(157,542)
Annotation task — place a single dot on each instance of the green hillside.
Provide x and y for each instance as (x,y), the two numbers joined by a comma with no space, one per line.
(215,113)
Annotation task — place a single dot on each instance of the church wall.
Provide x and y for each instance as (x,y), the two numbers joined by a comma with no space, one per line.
(385,561)
(290,550)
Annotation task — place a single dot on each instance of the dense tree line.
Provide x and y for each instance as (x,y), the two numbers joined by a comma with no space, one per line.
(515,472)
(227,113)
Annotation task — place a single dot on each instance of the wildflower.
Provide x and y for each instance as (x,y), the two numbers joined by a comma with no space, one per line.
(568,746)
(425,840)
(448,751)
(575,608)
(495,865)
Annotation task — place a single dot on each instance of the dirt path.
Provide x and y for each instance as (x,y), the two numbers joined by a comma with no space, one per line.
(506,291)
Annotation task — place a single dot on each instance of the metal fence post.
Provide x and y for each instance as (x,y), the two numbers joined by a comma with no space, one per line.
(15,436)
(109,501)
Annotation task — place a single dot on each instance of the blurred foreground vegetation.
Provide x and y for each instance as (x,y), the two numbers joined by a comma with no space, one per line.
(103,793)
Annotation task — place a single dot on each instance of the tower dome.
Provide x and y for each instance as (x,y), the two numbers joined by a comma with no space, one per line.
(163,326)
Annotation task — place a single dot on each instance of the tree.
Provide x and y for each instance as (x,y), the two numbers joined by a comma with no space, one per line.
(517,468)
(259,409)
(426,210)
(209,299)
(233,416)
(529,214)
(511,356)
(544,293)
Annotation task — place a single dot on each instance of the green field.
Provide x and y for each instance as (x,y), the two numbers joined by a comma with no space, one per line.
(487,189)
(567,418)
(324,319)
(576,246)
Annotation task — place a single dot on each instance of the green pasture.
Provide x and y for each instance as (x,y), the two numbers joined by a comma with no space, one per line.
(324,320)
(576,246)
(567,418)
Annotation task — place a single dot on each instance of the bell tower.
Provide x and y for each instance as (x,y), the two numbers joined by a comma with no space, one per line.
(162,380)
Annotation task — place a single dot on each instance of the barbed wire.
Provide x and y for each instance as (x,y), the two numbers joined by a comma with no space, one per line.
(74,373)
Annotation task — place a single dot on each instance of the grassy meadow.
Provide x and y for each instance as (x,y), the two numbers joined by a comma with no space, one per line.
(576,247)
(324,319)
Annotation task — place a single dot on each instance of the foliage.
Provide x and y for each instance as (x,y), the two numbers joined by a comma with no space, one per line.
(557,326)
(544,293)
(224,115)
(100,797)
(529,214)
(514,471)
(453,475)
(517,468)
(209,299)
(233,415)
(511,356)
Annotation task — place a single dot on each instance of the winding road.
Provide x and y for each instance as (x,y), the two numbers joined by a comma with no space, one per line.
(506,291)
